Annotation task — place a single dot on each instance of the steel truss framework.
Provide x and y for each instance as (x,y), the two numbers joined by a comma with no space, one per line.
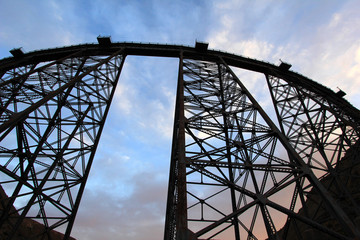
(236,171)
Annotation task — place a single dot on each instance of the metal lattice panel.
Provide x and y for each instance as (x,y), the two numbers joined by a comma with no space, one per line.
(246,166)
(47,150)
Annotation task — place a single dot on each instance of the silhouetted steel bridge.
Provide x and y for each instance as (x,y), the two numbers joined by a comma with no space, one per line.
(237,171)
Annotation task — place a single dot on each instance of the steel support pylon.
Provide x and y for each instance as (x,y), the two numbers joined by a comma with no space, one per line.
(237,171)
(52,115)
(254,177)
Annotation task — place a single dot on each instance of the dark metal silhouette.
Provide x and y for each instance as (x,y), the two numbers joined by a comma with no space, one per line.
(236,171)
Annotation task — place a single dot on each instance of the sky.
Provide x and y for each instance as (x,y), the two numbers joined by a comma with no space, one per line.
(125,197)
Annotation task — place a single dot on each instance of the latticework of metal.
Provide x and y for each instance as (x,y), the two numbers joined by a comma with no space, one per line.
(236,172)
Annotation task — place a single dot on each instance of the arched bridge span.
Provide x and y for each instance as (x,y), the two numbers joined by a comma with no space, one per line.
(235,170)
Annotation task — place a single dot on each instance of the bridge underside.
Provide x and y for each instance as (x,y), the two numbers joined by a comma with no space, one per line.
(237,170)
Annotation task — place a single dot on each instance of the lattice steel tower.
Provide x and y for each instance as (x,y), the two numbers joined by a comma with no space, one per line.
(237,171)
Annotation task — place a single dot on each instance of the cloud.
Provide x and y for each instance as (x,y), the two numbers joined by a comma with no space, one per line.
(332,57)
(145,97)
(37,26)
(323,46)
(123,94)
(134,216)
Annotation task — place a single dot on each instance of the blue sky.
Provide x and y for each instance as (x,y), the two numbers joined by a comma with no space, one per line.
(126,193)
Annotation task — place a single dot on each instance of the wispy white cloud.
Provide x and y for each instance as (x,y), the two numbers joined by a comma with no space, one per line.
(320,45)
(146,95)
(40,25)
(331,58)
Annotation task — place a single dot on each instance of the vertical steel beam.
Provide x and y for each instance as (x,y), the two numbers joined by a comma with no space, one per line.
(176,211)
(170,218)
(181,215)
(235,220)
